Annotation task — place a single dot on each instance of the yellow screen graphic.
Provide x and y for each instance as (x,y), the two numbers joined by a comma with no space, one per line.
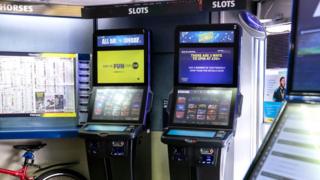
(121,66)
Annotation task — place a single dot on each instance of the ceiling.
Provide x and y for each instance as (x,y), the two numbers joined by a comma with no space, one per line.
(86,2)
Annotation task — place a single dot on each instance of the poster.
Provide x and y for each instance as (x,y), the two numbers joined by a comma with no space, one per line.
(41,84)
(275,90)
(120,66)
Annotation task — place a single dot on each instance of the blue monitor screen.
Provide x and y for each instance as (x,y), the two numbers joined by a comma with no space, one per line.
(206,65)
(306,76)
(105,128)
(206,37)
(191,133)
(120,40)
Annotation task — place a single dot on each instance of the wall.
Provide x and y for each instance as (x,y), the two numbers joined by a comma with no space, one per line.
(45,34)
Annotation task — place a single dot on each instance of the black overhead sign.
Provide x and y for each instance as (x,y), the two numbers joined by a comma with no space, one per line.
(140,9)
(162,8)
(26,8)
(218,5)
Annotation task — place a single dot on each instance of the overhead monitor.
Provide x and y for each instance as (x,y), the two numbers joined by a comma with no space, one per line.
(120,57)
(207,55)
(120,66)
(204,107)
(292,147)
(304,57)
(120,40)
(207,36)
(208,65)
(37,85)
(117,104)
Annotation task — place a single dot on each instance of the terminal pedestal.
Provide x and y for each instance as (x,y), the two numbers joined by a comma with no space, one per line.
(201,163)
(119,157)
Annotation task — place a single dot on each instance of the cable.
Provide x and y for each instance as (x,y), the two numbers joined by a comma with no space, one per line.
(269,9)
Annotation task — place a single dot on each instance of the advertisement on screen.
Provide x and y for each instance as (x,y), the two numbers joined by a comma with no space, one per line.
(120,40)
(120,66)
(206,37)
(206,66)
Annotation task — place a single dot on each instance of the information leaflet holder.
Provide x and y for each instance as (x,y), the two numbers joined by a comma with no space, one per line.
(291,147)
(117,133)
(205,102)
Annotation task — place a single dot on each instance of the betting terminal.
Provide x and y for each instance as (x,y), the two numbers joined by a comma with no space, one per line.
(204,103)
(117,133)
(291,147)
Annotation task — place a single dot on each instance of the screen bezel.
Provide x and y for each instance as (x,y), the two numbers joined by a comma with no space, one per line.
(112,32)
(142,110)
(292,55)
(216,27)
(38,115)
(174,102)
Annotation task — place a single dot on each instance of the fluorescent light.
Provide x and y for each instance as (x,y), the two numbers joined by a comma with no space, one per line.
(279,28)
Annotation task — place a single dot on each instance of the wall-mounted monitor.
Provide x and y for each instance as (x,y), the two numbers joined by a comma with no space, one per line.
(304,61)
(204,106)
(210,65)
(121,57)
(117,104)
(207,55)
(37,85)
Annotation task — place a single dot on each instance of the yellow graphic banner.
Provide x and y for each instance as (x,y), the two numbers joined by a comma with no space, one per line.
(120,66)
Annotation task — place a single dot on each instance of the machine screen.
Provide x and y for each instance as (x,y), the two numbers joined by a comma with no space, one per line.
(117,104)
(206,37)
(37,85)
(307,54)
(203,107)
(120,66)
(206,65)
(105,128)
(293,148)
(191,133)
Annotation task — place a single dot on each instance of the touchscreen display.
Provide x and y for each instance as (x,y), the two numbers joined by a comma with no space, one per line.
(203,107)
(206,65)
(105,128)
(294,148)
(117,104)
(191,133)
(306,63)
